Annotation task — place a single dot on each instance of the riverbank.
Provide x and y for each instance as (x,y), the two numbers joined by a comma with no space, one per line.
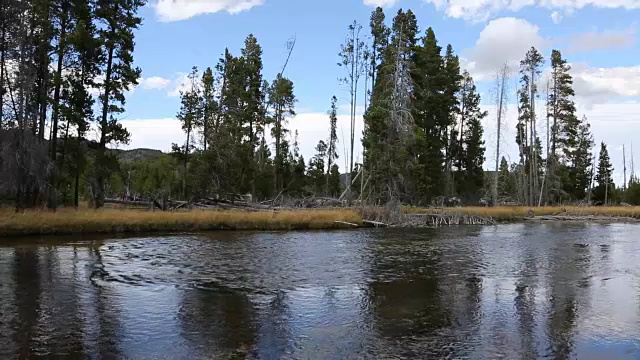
(69,221)
(520,213)
(122,220)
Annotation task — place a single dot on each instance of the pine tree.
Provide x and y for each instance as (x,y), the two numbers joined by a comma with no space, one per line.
(582,160)
(561,106)
(471,148)
(282,101)
(190,116)
(453,79)
(389,126)
(62,16)
(77,100)
(316,168)
(526,137)
(117,21)
(253,99)
(380,40)
(431,113)
(606,187)
(507,181)
(209,105)
(334,181)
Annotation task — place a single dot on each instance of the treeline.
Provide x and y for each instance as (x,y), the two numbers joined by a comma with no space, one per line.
(228,113)
(64,66)
(423,129)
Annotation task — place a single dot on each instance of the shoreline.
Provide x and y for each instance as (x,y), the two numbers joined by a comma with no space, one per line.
(130,221)
(125,221)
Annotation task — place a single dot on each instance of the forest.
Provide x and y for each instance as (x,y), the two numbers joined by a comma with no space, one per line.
(66,65)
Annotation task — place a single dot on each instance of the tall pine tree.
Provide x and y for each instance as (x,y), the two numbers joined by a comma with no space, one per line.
(117,21)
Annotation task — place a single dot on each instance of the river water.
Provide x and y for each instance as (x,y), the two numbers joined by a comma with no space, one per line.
(520,291)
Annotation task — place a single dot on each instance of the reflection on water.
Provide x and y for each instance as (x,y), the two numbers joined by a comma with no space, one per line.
(513,291)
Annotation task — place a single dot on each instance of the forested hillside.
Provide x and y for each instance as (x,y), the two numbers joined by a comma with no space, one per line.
(65,67)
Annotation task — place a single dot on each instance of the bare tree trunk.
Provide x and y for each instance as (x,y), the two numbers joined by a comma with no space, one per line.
(99,196)
(56,109)
(501,93)
(3,51)
(186,161)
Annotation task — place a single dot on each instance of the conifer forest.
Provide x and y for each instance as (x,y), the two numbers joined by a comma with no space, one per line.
(66,65)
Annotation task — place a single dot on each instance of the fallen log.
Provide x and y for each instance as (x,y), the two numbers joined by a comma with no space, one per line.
(345,223)
(375,223)
(127,202)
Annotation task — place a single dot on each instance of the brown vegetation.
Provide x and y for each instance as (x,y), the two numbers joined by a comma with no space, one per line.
(69,221)
(511,213)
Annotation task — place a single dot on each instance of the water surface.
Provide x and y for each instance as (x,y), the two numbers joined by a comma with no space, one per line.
(510,291)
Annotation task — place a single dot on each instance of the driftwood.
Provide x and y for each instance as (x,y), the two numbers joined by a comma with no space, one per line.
(345,223)
(375,223)
(127,202)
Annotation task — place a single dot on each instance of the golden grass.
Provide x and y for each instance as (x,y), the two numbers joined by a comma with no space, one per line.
(510,213)
(68,221)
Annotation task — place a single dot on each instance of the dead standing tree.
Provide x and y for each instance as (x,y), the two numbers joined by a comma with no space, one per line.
(353,58)
(502,98)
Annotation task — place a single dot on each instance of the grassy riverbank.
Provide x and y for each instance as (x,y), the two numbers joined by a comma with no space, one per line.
(516,213)
(68,221)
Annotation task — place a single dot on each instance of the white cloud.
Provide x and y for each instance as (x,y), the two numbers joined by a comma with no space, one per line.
(480,10)
(600,84)
(381,3)
(556,17)
(504,39)
(154,83)
(602,40)
(176,10)
(179,83)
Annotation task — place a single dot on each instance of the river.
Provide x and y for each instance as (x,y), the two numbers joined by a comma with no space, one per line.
(508,291)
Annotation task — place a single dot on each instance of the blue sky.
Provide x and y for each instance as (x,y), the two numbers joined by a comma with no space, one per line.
(599,37)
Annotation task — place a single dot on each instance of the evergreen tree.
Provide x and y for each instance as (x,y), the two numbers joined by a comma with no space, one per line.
(389,126)
(77,101)
(606,188)
(526,136)
(316,168)
(282,101)
(189,116)
(579,161)
(432,116)
(117,21)
(453,79)
(209,105)
(334,181)
(472,146)
(507,182)
(380,40)
(252,103)
(561,106)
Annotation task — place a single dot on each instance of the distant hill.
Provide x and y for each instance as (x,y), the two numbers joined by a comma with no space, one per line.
(135,155)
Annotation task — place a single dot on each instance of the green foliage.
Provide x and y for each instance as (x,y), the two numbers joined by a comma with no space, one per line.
(116,22)
(632,194)
(605,190)
(316,171)
(334,181)
(472,151)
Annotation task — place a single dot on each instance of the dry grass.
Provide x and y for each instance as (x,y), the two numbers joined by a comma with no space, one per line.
(510,213)
(67,221)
